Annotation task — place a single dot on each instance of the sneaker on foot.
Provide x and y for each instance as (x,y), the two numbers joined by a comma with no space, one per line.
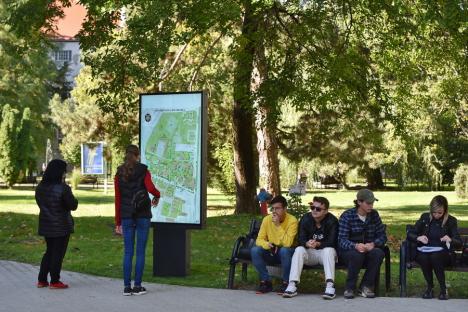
(291,290)
(139,290)
(443,295)
(58,285)
(428,294)
(282,288)
(127,291)
(329,291)
(367,292)
(42,284)
(348,294)
(264,287)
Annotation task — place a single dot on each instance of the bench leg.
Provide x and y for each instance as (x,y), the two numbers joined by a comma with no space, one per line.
(388,269)
(244,272)
(232,274)
(402,277)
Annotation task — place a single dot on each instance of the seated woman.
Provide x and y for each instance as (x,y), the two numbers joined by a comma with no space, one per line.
(436,234)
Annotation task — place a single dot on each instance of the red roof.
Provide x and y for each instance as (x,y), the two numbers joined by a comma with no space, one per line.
(69,26)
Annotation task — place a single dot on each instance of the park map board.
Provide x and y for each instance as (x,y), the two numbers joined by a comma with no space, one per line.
(171,146)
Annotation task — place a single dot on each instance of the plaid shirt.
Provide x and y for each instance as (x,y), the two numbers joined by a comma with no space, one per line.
(353,230)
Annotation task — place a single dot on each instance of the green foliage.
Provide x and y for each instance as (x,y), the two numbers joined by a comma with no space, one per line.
(225,181)
(461,181)
(26,149)
(295,206)
(75,178)
(9,146)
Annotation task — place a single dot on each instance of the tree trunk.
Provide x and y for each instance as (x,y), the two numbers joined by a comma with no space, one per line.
(267,147)
(245,164)
(374,178)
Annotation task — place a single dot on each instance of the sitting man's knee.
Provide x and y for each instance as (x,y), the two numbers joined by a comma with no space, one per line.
(300,250)
(329,252)
(256,251)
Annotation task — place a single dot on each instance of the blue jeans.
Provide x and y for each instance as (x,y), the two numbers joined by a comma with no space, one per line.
(129,227)
(262,257)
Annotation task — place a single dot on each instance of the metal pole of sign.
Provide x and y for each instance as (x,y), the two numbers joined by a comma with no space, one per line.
(105,169)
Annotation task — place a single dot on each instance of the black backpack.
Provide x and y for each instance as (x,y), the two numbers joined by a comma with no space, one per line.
(141,201)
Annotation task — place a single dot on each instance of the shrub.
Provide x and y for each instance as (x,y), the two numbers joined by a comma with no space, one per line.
(75,178)
(295,206)
(461,181)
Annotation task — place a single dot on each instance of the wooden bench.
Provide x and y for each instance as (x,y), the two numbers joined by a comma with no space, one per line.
(406,263)
(241,255)
(86,179)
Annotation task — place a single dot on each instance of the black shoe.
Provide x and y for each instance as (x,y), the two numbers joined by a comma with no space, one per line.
(139,290)
(127,291)
(443,295)
(264,287)
(282,288)
(428,294)
(348,294)
(366,292)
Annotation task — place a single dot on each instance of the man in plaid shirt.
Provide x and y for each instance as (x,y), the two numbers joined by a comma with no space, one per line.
(360,235)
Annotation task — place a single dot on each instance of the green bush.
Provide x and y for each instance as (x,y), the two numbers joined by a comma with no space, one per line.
(461,181)
(295,206)
(75,178)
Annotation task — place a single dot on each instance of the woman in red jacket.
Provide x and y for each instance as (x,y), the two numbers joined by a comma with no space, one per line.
(133,214)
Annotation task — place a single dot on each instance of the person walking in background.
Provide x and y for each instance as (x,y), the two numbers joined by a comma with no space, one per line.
(361,234)
(274,243)
(436,234)
(318,232)
(263,197)
(56,201)
(133,215)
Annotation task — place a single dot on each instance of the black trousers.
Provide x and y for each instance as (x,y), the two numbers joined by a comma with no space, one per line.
(356,260)
(53,258)
(434,261)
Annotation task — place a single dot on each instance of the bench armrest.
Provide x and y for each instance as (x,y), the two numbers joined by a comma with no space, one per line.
(235,249)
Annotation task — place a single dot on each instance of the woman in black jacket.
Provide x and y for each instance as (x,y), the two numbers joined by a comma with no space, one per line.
(55,201)
(436,234)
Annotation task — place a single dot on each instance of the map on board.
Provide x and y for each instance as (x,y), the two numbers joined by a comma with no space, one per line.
(170,147)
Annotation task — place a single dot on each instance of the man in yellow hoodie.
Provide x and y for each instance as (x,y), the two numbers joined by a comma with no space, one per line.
(275,244)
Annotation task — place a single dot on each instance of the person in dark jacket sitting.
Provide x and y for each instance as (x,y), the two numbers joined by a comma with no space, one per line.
(133,177)
(55,201)
(436,234)
(318,232)
(361,234)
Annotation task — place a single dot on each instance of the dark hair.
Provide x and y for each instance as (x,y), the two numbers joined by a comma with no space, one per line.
(279,199)
(322,200)
(125,171)
(54,172)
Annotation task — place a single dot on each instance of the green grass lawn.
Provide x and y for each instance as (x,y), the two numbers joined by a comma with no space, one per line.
(94,249)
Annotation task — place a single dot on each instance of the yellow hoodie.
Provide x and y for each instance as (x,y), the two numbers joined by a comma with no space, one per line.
(283,235)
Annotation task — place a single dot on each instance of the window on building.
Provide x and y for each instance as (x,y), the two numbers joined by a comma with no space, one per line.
(63,55)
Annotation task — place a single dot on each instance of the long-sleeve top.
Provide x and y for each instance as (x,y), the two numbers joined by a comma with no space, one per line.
(423,226)
(149,187)
(283,235)
(328,228)
(353,230)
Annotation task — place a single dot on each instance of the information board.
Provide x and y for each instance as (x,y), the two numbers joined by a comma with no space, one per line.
(173,146)
(92,158)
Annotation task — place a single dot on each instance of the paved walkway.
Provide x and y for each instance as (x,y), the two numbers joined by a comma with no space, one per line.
(90,293)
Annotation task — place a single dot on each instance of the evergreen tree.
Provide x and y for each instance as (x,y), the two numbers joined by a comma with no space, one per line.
(9,146)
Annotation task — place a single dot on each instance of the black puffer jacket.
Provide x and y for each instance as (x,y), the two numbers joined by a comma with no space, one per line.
(55,202)
(450,228)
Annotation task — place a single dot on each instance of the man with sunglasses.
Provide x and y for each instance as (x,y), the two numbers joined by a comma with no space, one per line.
(361,233)
(318,232)
(275,238)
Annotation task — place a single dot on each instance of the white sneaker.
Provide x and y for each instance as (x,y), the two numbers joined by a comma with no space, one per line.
(291,290)
(329,291)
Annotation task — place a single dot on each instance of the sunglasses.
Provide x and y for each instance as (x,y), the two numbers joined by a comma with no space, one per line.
(316,208)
